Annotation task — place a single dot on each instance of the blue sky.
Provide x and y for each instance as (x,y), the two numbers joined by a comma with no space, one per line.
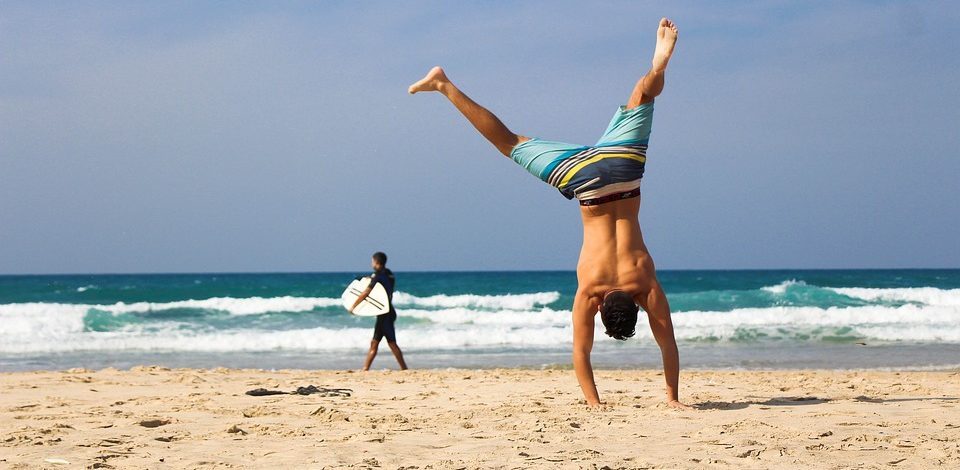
(229,136)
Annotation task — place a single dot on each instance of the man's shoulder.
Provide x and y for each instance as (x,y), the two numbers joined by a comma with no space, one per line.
(591,289)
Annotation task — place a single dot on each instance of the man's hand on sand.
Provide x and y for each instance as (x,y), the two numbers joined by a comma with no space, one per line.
(598,407)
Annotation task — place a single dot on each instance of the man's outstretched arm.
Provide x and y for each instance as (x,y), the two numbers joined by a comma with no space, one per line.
(662,328)
(584,311)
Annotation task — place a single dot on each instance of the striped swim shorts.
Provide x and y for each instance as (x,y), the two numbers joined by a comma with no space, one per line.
(614,165)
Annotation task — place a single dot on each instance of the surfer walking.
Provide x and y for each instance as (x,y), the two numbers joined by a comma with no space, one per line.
(615,273)
(384,327)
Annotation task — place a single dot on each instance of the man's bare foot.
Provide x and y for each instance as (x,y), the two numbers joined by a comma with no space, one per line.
(666,39)
(677,405)
(431,82)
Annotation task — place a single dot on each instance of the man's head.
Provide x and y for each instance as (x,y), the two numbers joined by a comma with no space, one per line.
(619,314)
(378,261)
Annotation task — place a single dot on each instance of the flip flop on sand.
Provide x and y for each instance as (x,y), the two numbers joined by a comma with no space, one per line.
(259,392)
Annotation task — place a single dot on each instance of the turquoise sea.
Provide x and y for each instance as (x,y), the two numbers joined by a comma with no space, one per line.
(723,319)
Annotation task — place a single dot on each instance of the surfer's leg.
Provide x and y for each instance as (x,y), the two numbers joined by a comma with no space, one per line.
(379,331)
(397,353)
(390,333)
(372,353)
(482,119)
(648,87)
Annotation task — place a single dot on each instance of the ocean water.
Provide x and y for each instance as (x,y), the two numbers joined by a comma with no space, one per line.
(896,319)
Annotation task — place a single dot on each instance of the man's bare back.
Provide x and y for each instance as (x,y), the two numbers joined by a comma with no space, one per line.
(614,261)
(613,255)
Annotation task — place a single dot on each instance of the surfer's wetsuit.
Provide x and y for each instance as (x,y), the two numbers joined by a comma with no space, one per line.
(384,326)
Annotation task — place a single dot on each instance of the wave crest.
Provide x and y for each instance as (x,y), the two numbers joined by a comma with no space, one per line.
(506,301)
(922,295)
(781,288)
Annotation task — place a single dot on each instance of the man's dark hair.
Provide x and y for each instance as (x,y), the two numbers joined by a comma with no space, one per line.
(381,258)
(619,315)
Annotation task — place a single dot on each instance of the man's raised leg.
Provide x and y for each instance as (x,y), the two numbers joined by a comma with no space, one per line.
(650,86)
(483,120)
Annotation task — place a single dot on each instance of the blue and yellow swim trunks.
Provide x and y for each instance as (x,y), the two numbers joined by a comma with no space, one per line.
(597,174)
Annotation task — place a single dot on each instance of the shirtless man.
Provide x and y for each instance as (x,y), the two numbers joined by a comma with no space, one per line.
(615,273)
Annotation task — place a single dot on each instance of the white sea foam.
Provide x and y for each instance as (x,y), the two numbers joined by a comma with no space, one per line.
(245,306)
(507,301)
(313,339)
(236,306)
(48,330)
(465,321)
(260,305)
(923,295)
(781,288)
(465,316)
(907,323)
(39,321)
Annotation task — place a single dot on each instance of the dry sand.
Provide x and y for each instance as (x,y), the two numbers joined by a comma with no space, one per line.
(151,417)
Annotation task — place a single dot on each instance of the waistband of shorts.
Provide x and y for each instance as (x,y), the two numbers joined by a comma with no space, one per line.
(611,197)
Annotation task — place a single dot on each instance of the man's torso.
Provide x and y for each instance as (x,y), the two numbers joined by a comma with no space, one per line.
(613,255)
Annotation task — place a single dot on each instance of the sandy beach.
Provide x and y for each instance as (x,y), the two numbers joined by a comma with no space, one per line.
(153,417)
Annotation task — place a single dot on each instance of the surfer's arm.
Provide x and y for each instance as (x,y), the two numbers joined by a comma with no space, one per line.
(363,295)
(584,311)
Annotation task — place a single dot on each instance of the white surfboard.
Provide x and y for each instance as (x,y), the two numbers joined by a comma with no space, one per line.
(377,303)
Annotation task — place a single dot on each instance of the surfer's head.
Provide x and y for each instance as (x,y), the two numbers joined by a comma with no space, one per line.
(378,261)
(618,313)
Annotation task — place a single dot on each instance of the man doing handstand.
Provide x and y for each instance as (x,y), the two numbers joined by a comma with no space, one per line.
(615,272)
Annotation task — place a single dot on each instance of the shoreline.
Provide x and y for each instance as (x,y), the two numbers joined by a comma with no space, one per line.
(606,355)
(953,368)
(157,417)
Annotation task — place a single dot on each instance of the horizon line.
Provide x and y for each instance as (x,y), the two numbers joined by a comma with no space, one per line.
(442,271)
